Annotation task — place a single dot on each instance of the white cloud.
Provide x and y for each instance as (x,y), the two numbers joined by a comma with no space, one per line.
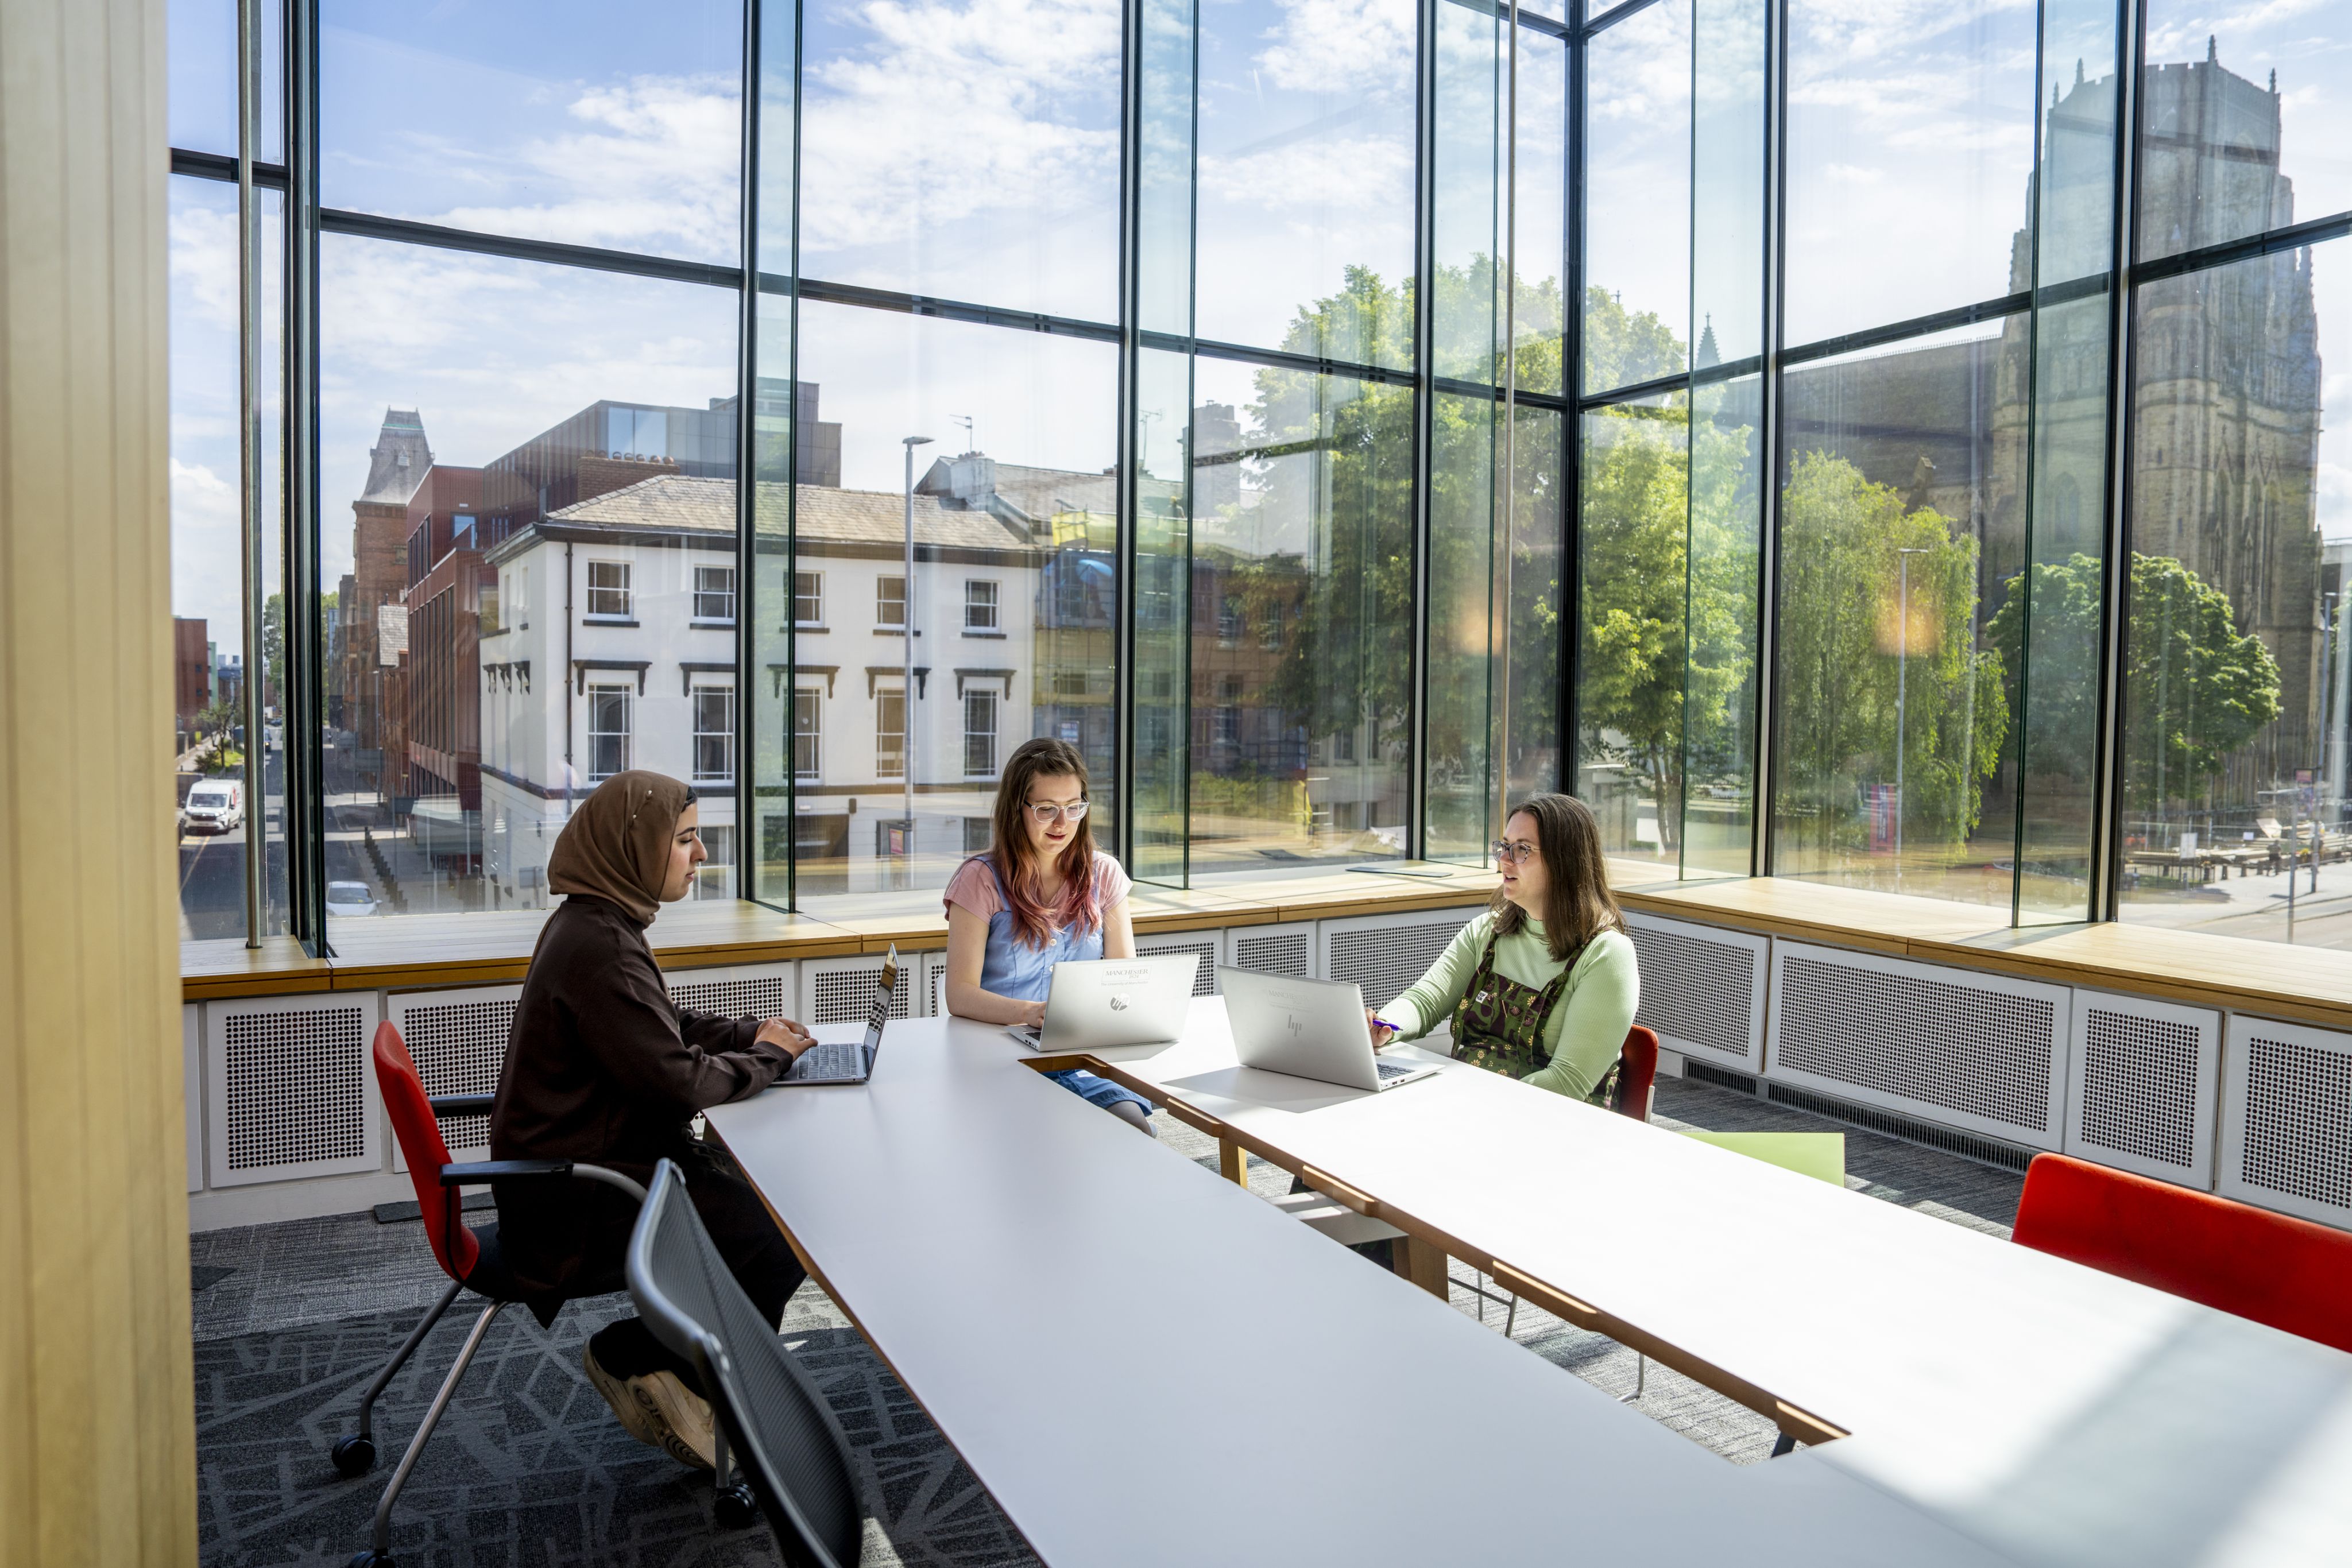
(970,148)
(207,552)
(654,163)
(1340,46)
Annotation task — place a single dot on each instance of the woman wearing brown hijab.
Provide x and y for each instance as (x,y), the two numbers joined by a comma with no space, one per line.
(600,1066)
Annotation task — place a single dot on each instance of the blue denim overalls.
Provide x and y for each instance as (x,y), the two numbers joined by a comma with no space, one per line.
(1011,968)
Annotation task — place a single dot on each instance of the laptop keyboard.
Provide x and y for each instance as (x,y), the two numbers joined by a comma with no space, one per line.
(1391,1071)
(832,1059)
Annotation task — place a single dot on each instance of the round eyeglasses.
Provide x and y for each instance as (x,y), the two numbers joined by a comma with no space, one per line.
(1513,853)
(1053,811)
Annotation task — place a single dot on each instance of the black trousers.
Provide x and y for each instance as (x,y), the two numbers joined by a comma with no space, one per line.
(746,1235)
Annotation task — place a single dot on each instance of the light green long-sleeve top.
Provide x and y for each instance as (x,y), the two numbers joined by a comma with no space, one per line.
(1586,1028)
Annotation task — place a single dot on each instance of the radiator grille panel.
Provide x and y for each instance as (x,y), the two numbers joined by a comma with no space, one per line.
(1978,1053)
(2298,1120)
(748,996)
(294,1087)
(2139,1086)
(1697,990)
(458,1048)
(847,994)
(1277,953)
(1204,983)
(1384,960)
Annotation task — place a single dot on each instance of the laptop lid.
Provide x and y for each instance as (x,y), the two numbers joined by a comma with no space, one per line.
(877,1014)
(1308,1028)
(1098,1002)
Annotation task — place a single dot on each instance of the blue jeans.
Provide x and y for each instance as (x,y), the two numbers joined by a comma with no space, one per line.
(1099,1091)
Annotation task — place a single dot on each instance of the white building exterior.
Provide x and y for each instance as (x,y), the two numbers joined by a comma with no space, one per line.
(615,648)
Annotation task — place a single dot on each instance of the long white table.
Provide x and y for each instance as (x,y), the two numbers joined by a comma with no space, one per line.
(2064,1414)
(1146,1365)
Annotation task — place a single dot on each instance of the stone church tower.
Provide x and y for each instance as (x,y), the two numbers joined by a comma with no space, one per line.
(2225,378)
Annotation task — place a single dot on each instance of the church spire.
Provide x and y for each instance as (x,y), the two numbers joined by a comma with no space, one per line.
(1709,354)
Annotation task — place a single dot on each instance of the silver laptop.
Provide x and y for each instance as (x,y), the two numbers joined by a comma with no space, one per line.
(1098,1002)
(840,1060)
(1308,1028)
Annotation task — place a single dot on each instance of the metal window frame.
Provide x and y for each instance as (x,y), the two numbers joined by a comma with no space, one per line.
(306,220)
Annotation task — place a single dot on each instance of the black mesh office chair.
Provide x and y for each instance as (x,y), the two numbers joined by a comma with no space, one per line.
(790,1448)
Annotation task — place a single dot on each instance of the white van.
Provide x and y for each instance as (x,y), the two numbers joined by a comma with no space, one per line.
(214,806)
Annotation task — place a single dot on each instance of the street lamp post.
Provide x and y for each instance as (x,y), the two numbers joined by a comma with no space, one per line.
(907,677)
(1902,692)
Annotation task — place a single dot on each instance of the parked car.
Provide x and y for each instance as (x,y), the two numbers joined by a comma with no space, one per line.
(348,900)
(215,806)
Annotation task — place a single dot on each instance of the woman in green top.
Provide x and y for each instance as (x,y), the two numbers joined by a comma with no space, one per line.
(1543,986)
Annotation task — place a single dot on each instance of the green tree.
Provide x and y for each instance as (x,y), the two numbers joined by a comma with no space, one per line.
(2195,690)
(1622,350)
(1846,648)
(273,651)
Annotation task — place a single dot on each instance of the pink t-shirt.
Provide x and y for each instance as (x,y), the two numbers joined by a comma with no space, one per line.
(975,889)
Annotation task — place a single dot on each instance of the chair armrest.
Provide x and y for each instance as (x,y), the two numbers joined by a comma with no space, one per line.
(462,1105)
(476,1171)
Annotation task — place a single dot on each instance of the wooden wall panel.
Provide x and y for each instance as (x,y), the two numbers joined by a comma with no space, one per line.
(97,1432)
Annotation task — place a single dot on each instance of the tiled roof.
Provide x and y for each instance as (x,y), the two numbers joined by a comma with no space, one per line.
(678,501)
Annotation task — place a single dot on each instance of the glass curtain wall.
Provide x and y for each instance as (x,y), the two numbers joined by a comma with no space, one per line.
(1892,454)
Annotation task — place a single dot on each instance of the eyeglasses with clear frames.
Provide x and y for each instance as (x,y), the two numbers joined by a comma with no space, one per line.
(1055,812)
(1513,853)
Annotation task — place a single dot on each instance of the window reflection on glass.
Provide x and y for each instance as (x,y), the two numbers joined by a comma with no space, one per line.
(714,733)
(808,732)
(1013,505)
(1909,142)
(1306,177)
(714,593)
(608,731)
(2244,123)
(455,756)
(808,599)
(1637,198)
(965,150)
(1633,541)
(2238,666)
(1302,504)
(715,878)
(1894,716)
(209,660)
(979,735)
(622,128)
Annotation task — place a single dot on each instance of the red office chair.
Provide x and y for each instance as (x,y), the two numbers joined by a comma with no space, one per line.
(471,1258)
(1637,1073)
(2289,1273)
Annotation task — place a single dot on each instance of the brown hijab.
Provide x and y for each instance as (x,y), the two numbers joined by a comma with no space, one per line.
(617,845)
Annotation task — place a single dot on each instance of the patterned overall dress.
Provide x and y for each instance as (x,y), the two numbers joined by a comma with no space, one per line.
(1011,968)
(1499,1024)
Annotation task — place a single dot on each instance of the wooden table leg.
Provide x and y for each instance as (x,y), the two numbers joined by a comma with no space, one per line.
(1232,1162)
(1422,1264)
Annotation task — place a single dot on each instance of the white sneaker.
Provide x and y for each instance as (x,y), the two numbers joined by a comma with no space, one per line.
(660,1412)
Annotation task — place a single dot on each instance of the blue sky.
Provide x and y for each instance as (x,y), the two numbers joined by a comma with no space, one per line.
(968,149)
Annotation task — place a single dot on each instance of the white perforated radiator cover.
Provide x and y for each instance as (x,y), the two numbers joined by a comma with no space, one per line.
(1286,949)
(1382,955)
(458,1041)
(1985,1053)
(1206,945)
(840,990)
(289,1088)
(2142,1087)
(2286,1119)
(1703,989)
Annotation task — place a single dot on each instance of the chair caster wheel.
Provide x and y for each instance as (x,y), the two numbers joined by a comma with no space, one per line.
(734,1507)
(353,1455)
(370,1560)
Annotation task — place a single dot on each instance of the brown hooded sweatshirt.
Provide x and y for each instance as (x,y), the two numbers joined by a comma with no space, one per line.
(600,1066)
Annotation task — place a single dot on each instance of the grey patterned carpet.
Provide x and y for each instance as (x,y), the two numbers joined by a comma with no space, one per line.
(530,1470)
